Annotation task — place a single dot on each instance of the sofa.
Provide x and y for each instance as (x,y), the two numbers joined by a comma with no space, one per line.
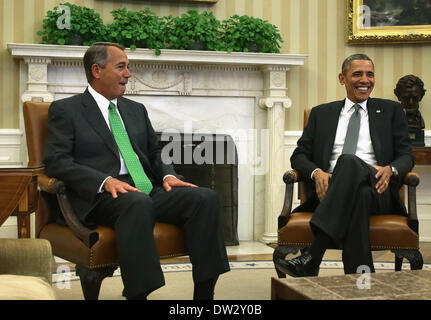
(26,269)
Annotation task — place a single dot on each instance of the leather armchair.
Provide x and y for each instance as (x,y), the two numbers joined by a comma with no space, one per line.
(387,232)
(92,250)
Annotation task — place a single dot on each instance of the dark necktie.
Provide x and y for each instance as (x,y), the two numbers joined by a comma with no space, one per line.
(351,141)
(132,162)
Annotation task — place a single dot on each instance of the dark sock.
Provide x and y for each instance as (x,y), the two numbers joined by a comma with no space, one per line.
(205,290)
(142,296)
(317,249)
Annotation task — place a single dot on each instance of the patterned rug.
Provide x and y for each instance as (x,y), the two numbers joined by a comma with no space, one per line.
(247,280)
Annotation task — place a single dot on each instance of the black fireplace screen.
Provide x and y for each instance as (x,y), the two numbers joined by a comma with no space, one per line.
(208,160)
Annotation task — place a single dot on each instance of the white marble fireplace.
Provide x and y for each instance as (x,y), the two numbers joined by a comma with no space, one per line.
(240,94)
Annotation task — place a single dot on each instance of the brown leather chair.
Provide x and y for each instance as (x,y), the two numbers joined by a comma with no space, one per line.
(93,251)
(387,232)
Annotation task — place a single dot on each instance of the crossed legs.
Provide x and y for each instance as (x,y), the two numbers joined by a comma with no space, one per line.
(341,219)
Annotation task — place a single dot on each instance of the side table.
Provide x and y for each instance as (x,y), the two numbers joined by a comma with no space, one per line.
(423,155)
(395,285)
(19,196)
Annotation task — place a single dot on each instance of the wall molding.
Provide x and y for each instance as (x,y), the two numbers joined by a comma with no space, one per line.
(11,153)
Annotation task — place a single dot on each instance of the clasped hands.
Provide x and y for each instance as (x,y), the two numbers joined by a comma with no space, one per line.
(115,186)
(322,179)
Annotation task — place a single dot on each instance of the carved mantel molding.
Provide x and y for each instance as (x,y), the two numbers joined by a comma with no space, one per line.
(49,72)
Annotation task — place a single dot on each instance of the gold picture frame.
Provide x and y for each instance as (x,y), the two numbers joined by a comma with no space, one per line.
(363,25)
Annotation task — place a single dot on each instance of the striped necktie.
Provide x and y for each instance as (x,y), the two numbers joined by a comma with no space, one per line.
(132,162)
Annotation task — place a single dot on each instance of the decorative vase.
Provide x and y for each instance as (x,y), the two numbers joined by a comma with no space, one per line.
(75,39)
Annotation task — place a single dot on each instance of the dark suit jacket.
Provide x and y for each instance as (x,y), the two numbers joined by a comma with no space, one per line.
(81,151)
(389,136)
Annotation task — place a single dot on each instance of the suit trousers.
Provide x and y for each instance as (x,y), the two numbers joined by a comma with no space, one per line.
(133,215)
(344,213)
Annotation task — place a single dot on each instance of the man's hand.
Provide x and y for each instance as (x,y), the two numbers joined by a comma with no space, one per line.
(171,181)
(113,186)
(383,175)
(321,179)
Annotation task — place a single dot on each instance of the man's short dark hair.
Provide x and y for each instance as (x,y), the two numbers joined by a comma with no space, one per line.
(356,56)
(98,54)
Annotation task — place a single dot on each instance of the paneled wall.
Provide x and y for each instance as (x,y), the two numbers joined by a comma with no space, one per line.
(314,27)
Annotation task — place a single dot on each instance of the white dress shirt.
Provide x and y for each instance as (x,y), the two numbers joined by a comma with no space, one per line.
(103,105)
(364,149)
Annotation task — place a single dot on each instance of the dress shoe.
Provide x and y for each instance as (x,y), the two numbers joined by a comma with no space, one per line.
(301,266)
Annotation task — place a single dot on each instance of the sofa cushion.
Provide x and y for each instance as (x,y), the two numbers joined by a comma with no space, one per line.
(13,287)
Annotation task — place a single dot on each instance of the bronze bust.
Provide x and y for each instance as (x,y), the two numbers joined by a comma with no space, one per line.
(409,91)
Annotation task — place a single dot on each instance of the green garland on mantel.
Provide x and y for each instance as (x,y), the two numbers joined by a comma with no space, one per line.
(70,24)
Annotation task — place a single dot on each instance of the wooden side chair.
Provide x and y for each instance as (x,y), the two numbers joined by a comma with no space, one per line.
(397,233)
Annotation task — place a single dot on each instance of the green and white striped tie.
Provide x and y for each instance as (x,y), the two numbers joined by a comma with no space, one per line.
(132,162)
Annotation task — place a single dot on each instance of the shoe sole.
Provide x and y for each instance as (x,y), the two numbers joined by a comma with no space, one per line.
(292,274)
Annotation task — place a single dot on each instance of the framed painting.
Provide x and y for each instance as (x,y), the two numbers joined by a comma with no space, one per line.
(388,21)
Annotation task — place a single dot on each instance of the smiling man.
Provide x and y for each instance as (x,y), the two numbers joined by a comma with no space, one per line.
(104,148)
(353,156)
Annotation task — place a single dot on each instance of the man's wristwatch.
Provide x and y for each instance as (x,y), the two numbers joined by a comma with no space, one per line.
(394,171)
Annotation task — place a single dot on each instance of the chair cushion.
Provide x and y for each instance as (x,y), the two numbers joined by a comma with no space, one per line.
(386,232)
(297,231)
(14,287)
(169,242)
(392,231)
(67,246)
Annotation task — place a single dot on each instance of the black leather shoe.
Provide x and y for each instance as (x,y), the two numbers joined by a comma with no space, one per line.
(301,266)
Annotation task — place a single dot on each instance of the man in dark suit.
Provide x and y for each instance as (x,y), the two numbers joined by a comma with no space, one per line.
(353,156)
(101,176)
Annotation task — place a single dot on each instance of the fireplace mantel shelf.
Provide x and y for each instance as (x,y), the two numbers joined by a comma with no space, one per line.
(59,52)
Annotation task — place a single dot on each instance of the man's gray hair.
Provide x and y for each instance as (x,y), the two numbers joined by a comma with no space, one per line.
(356,56)
(98,54)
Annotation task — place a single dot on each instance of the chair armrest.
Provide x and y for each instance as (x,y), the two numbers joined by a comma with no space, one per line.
(88,236)
(46,183)
(289,178)
(412,180)
(27,257)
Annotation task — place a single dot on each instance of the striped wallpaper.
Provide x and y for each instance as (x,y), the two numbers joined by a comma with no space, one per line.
(314,27)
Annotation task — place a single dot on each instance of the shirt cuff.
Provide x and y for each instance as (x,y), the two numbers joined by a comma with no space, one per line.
(311,177)
(103,183)
(168,175)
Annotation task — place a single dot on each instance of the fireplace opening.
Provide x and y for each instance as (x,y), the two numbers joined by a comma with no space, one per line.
(211,161)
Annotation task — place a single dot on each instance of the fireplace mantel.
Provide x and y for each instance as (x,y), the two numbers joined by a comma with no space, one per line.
(206,90)
(57,52)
